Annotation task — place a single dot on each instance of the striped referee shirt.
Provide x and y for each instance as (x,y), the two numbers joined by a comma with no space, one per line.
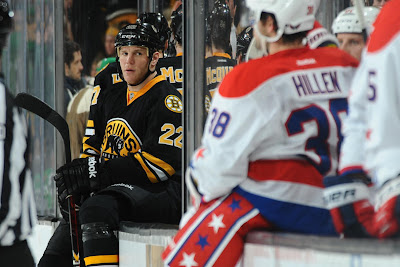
(17,203)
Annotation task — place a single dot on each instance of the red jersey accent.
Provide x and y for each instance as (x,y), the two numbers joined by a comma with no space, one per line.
(285,170)
(387,26)
(243,79)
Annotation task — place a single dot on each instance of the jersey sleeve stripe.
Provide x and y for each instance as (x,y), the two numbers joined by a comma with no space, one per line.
(152,177)
(90,123)
(89,150)
(160,163)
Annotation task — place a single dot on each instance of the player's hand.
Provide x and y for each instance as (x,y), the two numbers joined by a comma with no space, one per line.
(387,204)
(74,178)
(348,200)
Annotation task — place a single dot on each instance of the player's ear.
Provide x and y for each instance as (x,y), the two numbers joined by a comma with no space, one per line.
(154,59)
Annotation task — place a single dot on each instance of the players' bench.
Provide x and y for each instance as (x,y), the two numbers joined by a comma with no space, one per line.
(141,244)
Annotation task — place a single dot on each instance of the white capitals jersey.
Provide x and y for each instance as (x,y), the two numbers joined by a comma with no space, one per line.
(372,129)
(277,117)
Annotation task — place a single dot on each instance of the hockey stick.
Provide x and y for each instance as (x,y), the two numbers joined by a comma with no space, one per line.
(38,107)
(359,5)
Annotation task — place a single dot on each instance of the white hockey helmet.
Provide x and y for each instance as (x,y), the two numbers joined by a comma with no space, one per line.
(348,21)
(292,16)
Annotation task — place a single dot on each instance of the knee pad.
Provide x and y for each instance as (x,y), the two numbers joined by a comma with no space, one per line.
(100,208)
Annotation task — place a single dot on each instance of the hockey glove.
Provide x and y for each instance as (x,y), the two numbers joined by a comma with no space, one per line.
(387,218)
(347,198)
(80,177)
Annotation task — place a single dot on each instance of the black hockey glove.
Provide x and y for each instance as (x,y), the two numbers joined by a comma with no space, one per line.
(79,178)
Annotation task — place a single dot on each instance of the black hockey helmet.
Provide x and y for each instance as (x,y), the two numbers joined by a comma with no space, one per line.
(208,31)
(176,23)
(243,41)
(138,34)
(220,22)
(159,22)
(6,22)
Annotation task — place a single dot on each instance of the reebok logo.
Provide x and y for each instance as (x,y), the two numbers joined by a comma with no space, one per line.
(92,168)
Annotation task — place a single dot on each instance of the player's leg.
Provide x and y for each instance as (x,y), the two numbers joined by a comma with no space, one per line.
(214,235)
(101,214)
(59,250)
(99,218)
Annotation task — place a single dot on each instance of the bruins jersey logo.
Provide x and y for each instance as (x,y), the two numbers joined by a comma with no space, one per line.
(173,103)
(119,140)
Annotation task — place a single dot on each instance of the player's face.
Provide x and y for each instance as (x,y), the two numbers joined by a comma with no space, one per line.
(352,43)
(74,70)
(380,3)
(134,63)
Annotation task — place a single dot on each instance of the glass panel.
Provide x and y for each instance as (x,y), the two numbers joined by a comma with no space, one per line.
(29,68)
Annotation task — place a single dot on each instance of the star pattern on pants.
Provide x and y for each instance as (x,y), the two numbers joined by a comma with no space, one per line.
(188,260)
(235,205)
(216,222)
(203,241)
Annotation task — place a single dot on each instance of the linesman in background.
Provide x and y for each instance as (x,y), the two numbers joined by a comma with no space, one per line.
(17,203)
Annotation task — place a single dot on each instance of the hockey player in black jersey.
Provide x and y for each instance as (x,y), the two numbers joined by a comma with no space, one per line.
(220,63)
(131,157)
(109,76)
(171,67)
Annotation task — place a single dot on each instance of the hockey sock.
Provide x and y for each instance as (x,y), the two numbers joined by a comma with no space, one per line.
(100,245)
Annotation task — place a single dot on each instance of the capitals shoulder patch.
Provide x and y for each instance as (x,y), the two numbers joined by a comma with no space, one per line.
(174,103)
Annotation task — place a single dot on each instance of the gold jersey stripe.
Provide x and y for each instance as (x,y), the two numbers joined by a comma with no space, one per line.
(226,55)
(86,146)
(90,123)
(162,164)
(101,259)
(149,173)
(143,90)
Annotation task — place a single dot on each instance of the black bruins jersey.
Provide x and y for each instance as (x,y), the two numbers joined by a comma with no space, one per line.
(142,137)
(171,69)
(108,77)
(217,66)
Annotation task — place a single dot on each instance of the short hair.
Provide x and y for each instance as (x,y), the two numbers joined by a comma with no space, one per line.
(70,47)
(286,38)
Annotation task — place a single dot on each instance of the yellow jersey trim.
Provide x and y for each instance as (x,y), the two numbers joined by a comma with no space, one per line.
(221,55)
(145,88)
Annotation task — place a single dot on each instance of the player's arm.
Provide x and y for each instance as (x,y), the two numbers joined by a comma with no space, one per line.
(94,131)
(231,134)
(354,128)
